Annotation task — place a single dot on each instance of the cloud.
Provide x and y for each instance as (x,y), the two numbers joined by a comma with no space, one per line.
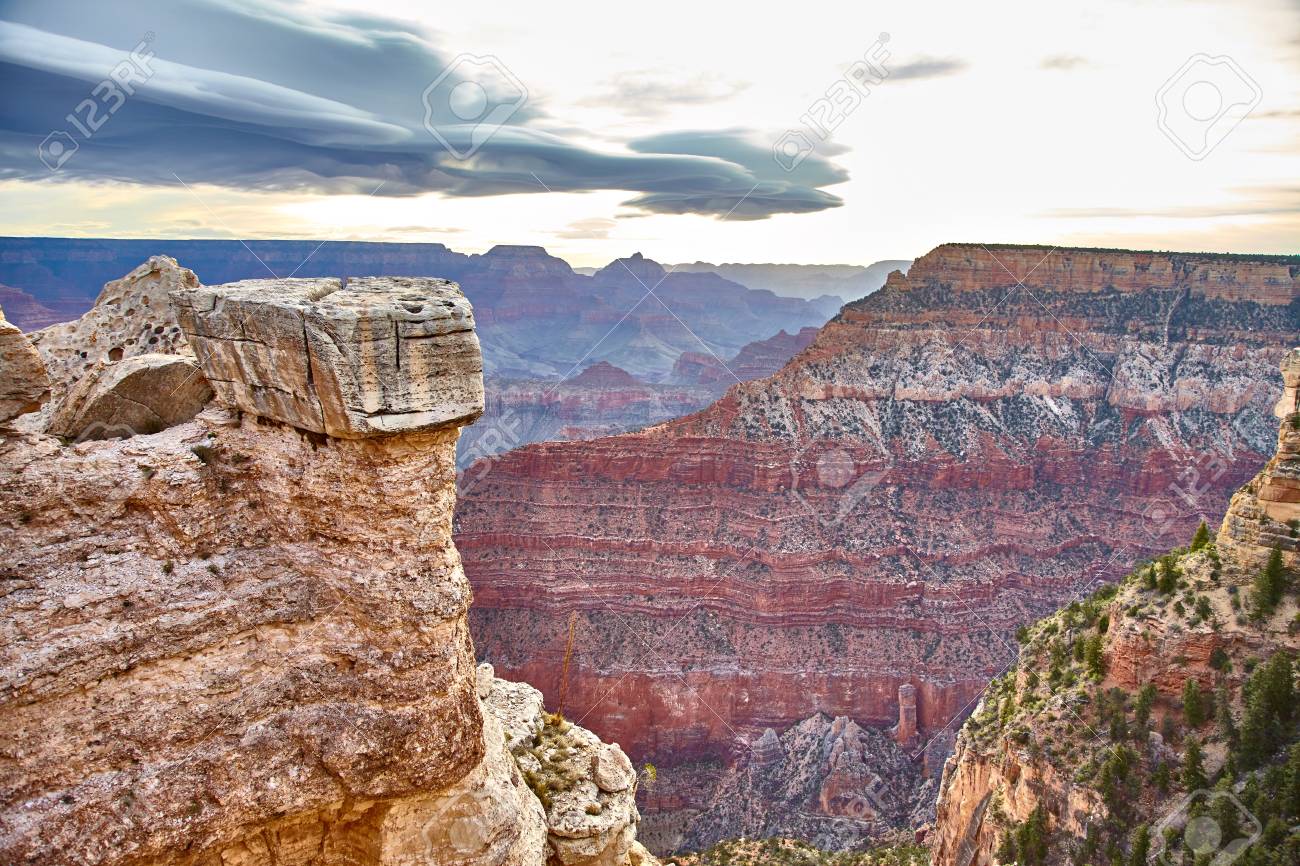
(280,98)
(596,228)
(1062,62)
(1256,201)
(926,67)
(649,93)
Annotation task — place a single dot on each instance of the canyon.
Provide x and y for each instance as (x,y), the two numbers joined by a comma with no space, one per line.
(240,637)
(1071,763)
(990,435)
(682,337)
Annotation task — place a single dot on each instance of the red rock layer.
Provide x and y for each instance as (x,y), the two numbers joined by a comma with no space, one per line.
(951,457)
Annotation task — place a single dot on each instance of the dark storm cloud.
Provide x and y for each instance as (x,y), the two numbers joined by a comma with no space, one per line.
(280,98)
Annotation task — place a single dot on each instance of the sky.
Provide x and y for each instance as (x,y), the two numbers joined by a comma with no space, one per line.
(810,132)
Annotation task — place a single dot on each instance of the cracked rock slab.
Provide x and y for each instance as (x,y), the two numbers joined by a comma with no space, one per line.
(350,358)
(140,395)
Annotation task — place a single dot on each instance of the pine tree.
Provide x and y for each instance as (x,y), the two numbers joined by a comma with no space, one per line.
(1168,580)
(1161,777)
(1146,697)
(1202,536)
(1093,657)
(1269,586)
(1031,838)
(1193,771)
(1193,703)
(1223,716)
(1140,845)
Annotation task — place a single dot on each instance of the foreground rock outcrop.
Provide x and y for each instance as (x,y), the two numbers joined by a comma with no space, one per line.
(143,394)
(132,316)
(951,457)
(1166,703)
(24,382)
(348,358)
(237,642)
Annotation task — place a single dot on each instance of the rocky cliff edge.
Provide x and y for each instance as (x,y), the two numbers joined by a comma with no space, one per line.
(242,639)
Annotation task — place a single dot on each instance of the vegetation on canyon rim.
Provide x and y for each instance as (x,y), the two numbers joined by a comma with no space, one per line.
(1141,753)
(792,852)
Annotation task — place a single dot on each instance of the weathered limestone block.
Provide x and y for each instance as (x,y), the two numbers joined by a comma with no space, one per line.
(348,358)
(132,316)
(140,395)
(591,822)
(24,384)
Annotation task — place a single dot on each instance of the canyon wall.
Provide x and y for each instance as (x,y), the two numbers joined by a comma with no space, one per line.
(243,640)
(951,457)
(1066,746)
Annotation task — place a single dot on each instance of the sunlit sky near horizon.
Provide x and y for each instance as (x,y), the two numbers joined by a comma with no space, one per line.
(642,129)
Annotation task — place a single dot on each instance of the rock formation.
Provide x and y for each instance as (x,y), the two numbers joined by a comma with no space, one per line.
(132,316)
(143,394)
(237,642)
(587,788)
(829,782)
(600,401)
(756,360)
(348,358)
(1061,745)
(950,458)
(24,383)
(604,400)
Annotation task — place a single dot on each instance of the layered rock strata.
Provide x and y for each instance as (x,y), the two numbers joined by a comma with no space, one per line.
(950,458)
(239,642)
(1064,745)
(347,358)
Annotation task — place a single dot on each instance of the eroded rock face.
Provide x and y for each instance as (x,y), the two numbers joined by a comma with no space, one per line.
(588,788)
(1266,512)
(132,316)
(950,458)
(830,782)
(236,643)
(368,356)
(223,628)
(143,394)
(24,383)
(1039,736)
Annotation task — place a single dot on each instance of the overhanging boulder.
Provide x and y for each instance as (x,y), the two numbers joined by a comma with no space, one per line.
(348,358)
